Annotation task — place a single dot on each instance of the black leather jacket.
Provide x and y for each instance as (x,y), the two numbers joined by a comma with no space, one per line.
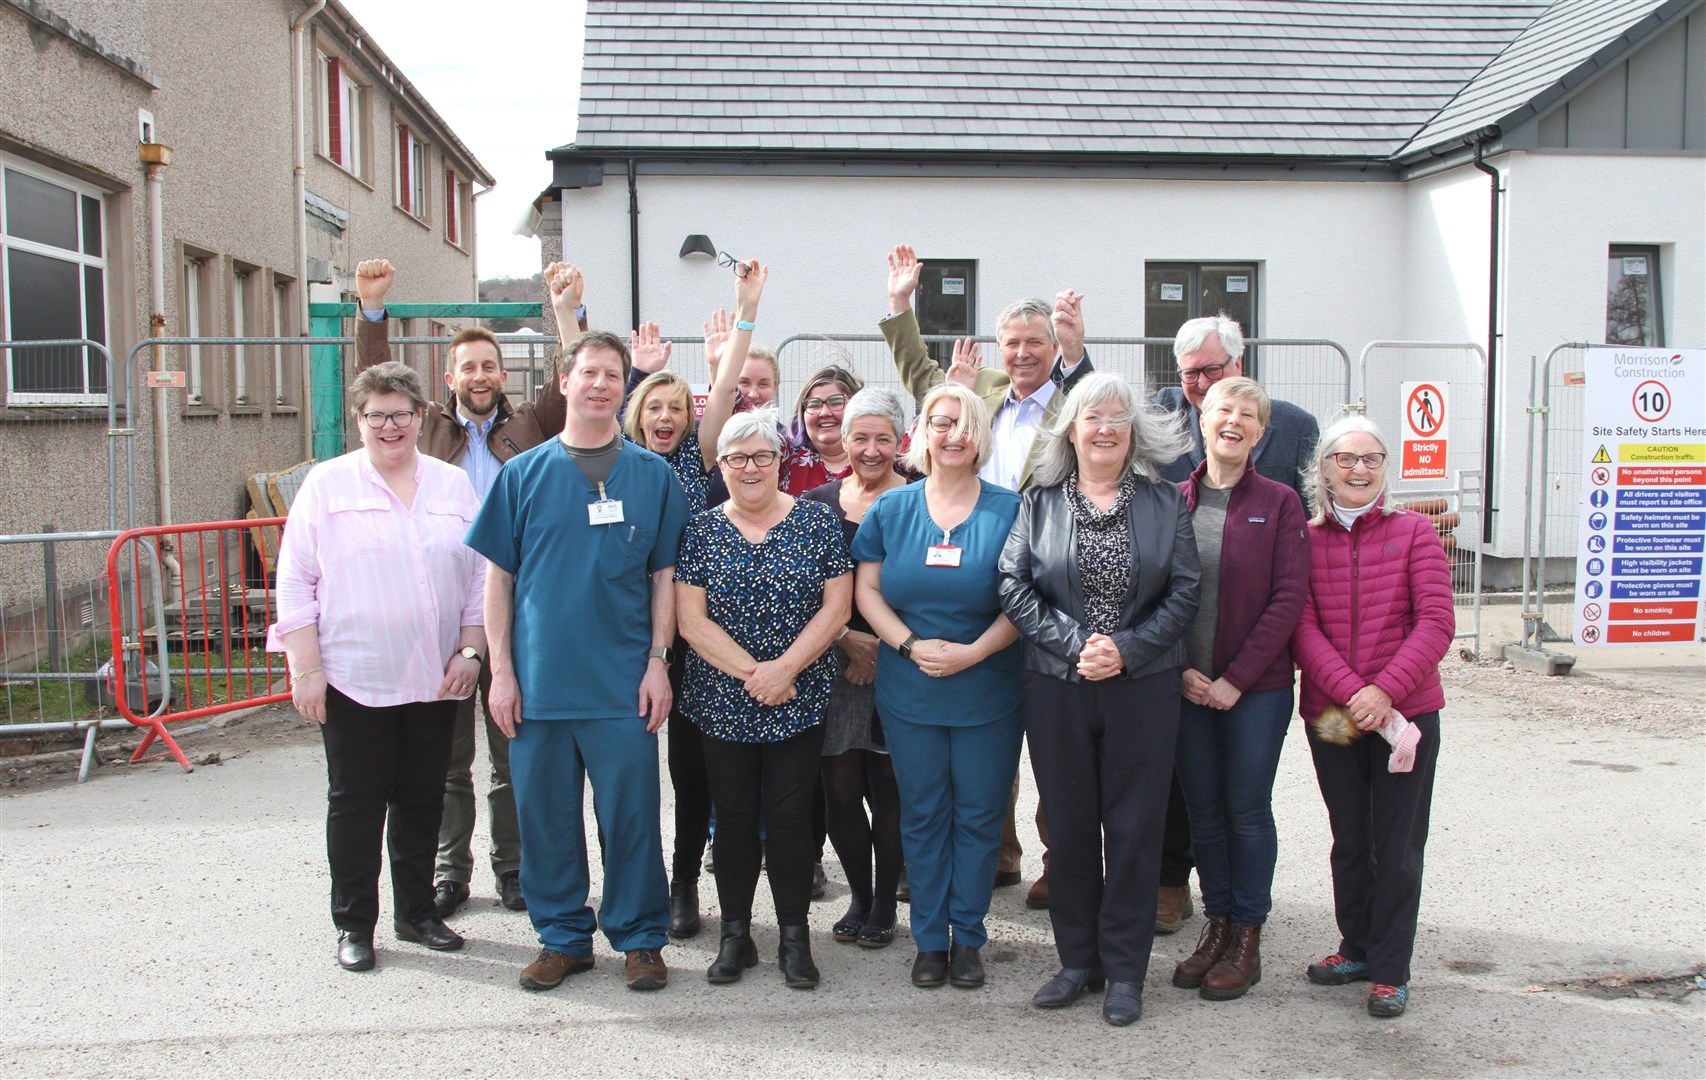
(1043,596)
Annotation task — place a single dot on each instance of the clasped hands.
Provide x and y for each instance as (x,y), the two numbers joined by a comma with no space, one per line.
(1100,658)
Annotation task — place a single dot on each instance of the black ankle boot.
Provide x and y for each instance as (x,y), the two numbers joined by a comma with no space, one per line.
(683,909)
(795,958)
(736,953)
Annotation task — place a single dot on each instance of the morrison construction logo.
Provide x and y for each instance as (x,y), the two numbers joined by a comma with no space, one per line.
(1646,365)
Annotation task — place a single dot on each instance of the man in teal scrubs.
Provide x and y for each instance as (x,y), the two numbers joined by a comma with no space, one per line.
(581,534)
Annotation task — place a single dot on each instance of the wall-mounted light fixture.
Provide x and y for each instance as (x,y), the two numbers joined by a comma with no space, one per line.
(698,244)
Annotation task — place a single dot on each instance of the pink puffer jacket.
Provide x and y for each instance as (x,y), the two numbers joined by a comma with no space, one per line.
(1378,611)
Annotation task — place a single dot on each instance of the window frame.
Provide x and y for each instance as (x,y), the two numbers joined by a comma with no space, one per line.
(1159,366)
(413,186)
(247,314)
(84,262)
(198,307)
(1655,291)
(455,191)
(286,359)
(936,269)
(341,114)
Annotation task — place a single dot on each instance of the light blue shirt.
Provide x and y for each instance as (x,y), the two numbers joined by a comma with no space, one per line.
(1014,430)
(479,462)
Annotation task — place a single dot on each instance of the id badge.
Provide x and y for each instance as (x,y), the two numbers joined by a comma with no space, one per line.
(942,555)
(605,512)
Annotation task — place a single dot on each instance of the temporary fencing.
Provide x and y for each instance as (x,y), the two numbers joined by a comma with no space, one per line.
(1456,503)
(189,632)
(1556,414)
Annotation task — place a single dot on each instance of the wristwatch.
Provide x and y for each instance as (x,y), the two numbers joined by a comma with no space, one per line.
(661,652)
(470,653)
(905,649)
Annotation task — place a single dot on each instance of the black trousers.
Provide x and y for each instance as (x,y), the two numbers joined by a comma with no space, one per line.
(1380,826)
(687,777)
(777,780)
(383,763)
(1176,857)
(1103,757)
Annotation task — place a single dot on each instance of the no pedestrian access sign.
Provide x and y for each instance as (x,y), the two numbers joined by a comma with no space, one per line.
(1643,535)
(1423,451)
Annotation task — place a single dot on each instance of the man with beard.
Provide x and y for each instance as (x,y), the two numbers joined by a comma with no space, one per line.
(478,430)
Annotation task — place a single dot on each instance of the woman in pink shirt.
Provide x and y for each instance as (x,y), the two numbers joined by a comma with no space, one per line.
(379,618)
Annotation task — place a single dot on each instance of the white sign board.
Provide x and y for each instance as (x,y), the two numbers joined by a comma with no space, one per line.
(1643,534)
(1172,292)
(1423,431)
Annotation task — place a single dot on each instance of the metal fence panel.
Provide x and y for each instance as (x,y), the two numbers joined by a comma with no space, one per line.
(1555,470)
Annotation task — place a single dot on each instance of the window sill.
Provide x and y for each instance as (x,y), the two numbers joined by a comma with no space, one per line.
(194,412)
(357,177)
(286,410)
(42,414)
(247,410)
(448,242)
(422,222)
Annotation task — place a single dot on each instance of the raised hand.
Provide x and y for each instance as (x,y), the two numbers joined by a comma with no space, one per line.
(748,288)
(565,284)
(968,361)
(1068,319)
(904,273)
(716,335)
(373,279)
(650,353)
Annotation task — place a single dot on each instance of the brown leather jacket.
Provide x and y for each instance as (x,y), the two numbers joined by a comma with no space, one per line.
(517,428)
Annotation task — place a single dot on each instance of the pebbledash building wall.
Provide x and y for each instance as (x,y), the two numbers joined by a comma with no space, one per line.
(87,82)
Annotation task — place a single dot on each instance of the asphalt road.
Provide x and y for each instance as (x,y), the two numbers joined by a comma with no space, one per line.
(164,923)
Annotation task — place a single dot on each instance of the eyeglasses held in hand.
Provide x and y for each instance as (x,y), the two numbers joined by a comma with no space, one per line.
(1207,373)
(377,420)
(763,459)
(833,401)
(1349,461)
(741,269)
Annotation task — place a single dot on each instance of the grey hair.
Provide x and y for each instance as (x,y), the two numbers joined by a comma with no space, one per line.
(1315,476)
(1027,309)
(744,425)
(1191,336)
(1157,436)
(391,377)
(875,401)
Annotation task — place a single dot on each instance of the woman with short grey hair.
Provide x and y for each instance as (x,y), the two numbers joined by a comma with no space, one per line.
(1100,576)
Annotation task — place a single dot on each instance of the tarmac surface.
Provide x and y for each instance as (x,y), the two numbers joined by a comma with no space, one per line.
(163,923)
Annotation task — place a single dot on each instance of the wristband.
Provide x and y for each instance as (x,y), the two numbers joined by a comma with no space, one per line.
(580,313)
(300,675)
(745,324)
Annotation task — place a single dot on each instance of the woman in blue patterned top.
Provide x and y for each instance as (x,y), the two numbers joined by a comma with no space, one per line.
(948,676)
(763,586)
(659,417)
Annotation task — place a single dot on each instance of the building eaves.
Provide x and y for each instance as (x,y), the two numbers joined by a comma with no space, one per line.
(374,59)
(41,16)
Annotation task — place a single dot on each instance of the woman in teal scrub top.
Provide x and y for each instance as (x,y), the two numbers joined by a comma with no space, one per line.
(948,676)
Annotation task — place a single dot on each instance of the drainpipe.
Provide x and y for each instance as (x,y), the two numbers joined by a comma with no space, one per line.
(633,243)
(298,38)
(1496,195)
(157,328)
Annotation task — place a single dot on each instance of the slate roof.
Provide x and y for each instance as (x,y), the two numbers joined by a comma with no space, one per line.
(1332,78)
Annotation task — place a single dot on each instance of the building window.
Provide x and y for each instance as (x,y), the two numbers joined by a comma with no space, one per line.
(454,192)
(248,383)
(946,303)
(52,286)
(1174,293)
(1633,315)
(195,313)
(411,172)
(285,358)
(343,112)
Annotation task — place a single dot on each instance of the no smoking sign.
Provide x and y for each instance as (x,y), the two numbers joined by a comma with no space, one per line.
(1424,445)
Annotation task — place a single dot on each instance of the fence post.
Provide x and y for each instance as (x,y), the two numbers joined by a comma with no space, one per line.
(327,367)
(50,575)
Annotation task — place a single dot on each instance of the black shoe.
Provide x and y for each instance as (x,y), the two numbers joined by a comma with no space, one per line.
(684,919)
(794,957)
(430,932)
(903,890)
(509,891)
(820,882)
(965,966)
(355,951)
(1067,987)
(448,896)
(736,953)
(1004,878)
(930,970)
(1124,1004)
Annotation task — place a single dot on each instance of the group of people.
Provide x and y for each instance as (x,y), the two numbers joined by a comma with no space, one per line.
(854,619)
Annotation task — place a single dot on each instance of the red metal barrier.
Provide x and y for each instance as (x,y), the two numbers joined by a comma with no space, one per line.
(200,597)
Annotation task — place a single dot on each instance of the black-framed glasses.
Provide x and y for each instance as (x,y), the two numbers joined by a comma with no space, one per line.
(833,401)
(377,420)
(1207,373)
(763,459)
(741,269)
(938,422)
(1349,461)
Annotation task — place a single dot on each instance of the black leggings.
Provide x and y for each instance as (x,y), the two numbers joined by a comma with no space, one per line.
(849,781)
(779,781)
(692,786)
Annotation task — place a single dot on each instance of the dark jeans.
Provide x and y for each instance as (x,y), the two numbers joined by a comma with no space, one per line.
(1102,753)
(1226,764)
(456,830)
(849,781)
(380,762)
(1380,826)
(692,786)
(777,780)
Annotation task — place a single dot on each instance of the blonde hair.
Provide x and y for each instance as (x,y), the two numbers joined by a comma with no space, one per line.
(637,402)
(973,426)
(1240,387)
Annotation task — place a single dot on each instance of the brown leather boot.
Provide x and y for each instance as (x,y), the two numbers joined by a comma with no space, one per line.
(1211,946)
(1239,969)
(1172,908)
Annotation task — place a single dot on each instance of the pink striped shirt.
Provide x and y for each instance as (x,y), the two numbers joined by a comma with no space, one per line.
(389,587)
